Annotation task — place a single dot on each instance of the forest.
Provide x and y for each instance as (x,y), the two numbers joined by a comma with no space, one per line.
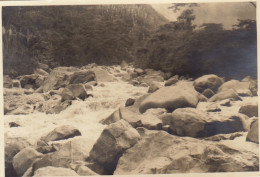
(110,34)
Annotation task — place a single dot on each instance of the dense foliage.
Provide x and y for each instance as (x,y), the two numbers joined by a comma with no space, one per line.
(78,35)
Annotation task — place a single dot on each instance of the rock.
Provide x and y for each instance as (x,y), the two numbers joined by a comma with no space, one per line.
(133,118)
(73,91)
(139,71)
(91,83)
(32,81)
(41,72)
(45,149)
(6,109)
(151,122)
(61,133)
(149,79)
(225,103)
(253,87)
(24,160)
(202,98)
(103,75)
(195,123)
(168,75)
(129,102)
(183,155)
(134,82)
(170,98)
(242,88)
(226,94)
(55,171)
(208,93)
(12,147)
(43,66)
(16,83)
(82,77)
(253,134)
(153,87)
(70,152)
(171,81)
(210,81)
(85,171)
(58,77)
(13,124)
(113,141)
(249,110)
(7,82)
(115,116)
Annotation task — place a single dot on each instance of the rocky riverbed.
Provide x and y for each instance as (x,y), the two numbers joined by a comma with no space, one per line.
(104,120)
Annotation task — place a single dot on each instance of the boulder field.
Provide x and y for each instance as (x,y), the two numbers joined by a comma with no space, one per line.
(109,120)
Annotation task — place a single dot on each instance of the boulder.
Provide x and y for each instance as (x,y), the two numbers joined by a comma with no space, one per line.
(112,118)
(58,77)
(195,123)
(23,160)
(210,81)
(171,81)
(208,93)
(253,134)
(82,77)
(103,75)
(12,147)
(73,91)
(130,116)
(129,102)
(65,154)
(253,87)
(170,98)
(113,141)
(249,110)
(33,81)
(61,133)
(151,122)
(139,71)
(149,79)
(242,88)
(226,94)
(176,154)
(85,171)
(7,81)
(55,171)
(202,98)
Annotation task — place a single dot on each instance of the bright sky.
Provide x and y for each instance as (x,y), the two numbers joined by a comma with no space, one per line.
(225,13)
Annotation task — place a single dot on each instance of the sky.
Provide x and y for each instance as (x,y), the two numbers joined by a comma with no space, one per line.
(225,13)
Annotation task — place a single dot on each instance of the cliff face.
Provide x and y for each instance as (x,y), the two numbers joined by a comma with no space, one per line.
(74,35)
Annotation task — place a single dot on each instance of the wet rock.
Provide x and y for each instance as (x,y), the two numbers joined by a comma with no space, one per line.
(73,91)
(226,94)
(249,110)
(182,155)
(129,102)
(210,81)
(208,93)
(195,123)
(170,98)
(24,160)
(242,88)
(113,141)
(253,134)
(7,81)
(55,171)
(61,133)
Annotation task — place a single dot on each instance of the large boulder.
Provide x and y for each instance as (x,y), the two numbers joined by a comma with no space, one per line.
(171,98)
(161,153)
(103,75)
(113,141)
(225,94)
(12,147)
(249,110)
(61,133)
(54,171)
(253,134)
(7,81)
(24,160)
(65,154)
(242,88)
(73,91)
(63,76)
(195,123)
(210,81)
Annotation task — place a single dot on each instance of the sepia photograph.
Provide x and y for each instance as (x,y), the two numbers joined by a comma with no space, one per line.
(130,89)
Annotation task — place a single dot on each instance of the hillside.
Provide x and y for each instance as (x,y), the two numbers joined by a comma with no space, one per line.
(74,35)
